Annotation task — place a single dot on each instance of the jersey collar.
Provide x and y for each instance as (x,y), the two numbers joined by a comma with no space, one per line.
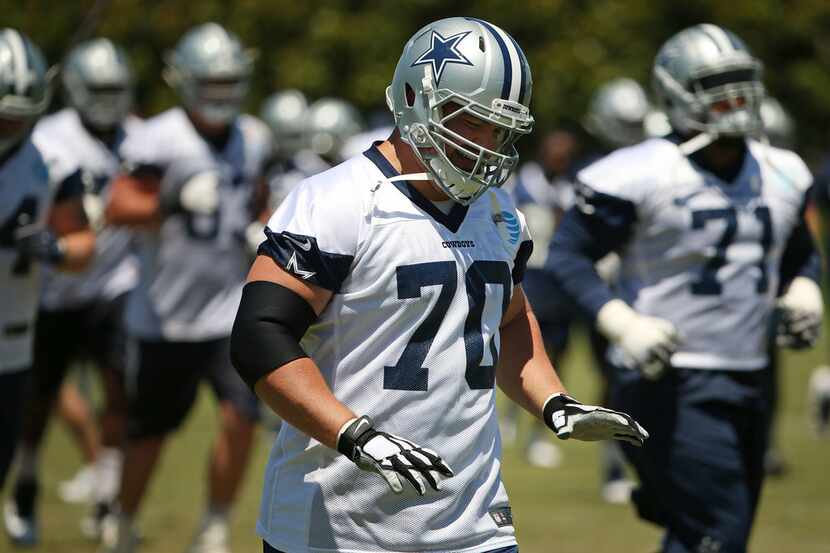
(451,220)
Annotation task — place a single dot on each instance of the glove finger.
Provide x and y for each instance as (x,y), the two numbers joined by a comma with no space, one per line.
(403,468)
(436,461)
(628,425)
(391,478)
(628,439)
(422,464)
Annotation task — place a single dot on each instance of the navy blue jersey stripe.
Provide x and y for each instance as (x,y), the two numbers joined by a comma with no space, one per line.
(508,65)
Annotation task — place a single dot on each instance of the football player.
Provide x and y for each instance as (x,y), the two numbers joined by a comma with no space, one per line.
(37,227)
(81,315)
(386,304)
(707,222)
(617,113)
(192,193)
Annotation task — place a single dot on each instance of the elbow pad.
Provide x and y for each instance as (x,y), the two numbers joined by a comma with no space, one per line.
(269,325)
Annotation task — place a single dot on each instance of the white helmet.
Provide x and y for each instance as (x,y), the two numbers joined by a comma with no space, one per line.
(98,83)
(707,81)
(617,113)
(211,71)
(286,114)
(24,87)
(331,122)
(481,69)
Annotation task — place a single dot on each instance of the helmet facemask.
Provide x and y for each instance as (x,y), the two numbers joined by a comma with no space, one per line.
(725,101)
(477,167)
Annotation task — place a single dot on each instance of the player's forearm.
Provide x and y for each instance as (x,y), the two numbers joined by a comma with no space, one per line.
(133,203)
(298,393)
(78,250)
(524,372)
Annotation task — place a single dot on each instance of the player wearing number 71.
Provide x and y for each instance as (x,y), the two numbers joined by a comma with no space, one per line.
(710,229)
(384,307)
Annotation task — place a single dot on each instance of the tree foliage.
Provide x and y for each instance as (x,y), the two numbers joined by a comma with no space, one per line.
(349,48)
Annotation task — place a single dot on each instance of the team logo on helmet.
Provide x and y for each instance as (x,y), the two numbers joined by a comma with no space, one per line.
(441,52)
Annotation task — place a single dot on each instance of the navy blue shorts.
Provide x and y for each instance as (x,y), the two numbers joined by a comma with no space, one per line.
(164,382)
(702,468)
(512,549)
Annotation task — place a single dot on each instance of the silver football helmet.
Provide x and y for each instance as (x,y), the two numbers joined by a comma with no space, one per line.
(617,113)
(707,81)
(286,114)
(210,70)
(331,122)
(778,125)
(25,88)
(458,66)
(99,83)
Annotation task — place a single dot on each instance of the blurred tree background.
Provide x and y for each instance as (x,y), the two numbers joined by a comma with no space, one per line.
(349,48)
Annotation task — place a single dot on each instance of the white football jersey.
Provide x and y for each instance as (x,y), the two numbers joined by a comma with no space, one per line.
(192,269)
(410,338)
(705,254)
(73,153)
(25,199)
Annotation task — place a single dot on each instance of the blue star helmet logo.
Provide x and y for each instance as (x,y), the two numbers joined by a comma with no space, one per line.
(441,52)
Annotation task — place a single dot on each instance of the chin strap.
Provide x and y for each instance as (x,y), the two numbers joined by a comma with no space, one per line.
(408,176)
(696,143)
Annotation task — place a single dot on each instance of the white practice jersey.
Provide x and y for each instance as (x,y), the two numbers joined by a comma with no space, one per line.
(25,199)
(76,155)
(410,338)
(192,269)
(705,254)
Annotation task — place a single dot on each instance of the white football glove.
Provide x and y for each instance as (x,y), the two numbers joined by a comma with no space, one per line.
(254,236)
(802,310)
(200,194)
(647,342)
(94,210)
(570,419)
(391,456)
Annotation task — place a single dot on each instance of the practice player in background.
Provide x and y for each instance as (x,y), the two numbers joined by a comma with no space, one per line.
(37,226)
(707,222)
(193,193)
(400,271)
(81,316)
(286,114)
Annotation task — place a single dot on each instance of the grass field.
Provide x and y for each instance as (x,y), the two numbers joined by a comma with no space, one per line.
(556,511)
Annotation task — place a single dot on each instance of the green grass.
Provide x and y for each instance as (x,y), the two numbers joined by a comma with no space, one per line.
(555,510)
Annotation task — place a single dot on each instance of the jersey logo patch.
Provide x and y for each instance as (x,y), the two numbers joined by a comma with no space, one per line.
(507,221)
(294,268)
(502,516)
(442,51)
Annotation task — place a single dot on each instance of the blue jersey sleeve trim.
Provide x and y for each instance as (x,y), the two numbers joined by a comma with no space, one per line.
(300,255)
(598,225)
(520,263)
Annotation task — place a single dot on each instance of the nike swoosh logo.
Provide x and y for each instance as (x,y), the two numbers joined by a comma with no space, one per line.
(359,426)
(304,244)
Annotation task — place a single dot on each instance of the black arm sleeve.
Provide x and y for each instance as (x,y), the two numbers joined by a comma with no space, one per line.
(269,325)
(599,224)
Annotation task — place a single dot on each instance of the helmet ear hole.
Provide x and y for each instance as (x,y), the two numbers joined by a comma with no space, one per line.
(410,95)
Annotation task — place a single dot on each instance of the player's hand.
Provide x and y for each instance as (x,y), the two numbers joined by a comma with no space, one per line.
(391,456)
(191,186)
(568,418)
(647,342)
(39,244)
(801,314)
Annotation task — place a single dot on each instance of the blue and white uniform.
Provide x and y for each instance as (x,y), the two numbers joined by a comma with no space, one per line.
(410,338)
(80,160)
(707,255)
